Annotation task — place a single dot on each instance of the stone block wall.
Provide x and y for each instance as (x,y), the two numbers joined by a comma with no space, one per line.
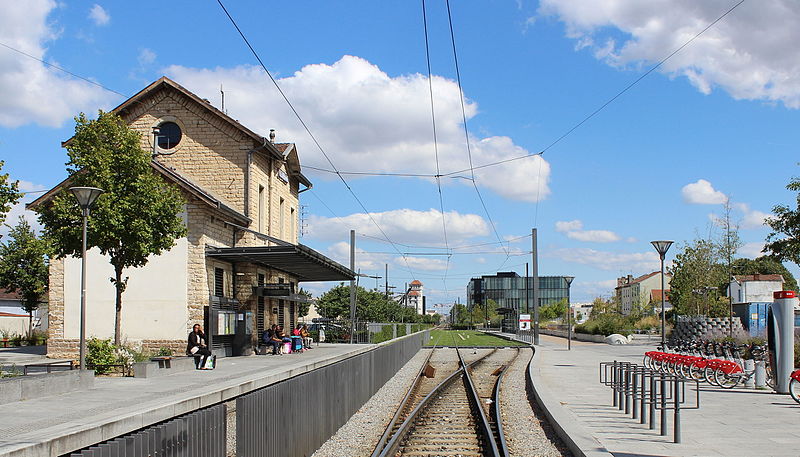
(695,328)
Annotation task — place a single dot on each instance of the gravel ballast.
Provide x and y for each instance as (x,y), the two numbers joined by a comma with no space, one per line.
(361,433)
(526,434)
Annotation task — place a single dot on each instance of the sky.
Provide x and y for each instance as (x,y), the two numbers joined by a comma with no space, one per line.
(715,122)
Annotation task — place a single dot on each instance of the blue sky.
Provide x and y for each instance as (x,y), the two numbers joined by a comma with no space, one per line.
(718,120)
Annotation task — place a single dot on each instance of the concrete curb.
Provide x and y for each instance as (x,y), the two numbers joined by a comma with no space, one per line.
(41,385)
(579,441)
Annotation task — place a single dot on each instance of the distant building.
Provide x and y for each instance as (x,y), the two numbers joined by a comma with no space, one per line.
(643,290)
(581,312)
(11,310)
(755,288)
(416,298)
(507,291)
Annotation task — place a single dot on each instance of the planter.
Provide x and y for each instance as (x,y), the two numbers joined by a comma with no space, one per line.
(5,342)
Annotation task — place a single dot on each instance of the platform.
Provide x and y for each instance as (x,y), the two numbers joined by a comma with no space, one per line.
(59,424)
(738,422)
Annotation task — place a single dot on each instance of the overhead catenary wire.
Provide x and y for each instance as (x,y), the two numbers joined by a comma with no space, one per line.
(435,139)
(307,129)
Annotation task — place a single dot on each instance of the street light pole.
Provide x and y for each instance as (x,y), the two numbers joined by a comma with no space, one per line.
(86,197)
(662,247)
(569,280)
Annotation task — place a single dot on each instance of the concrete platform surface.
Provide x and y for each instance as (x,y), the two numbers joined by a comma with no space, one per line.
(59,424)
(738,422)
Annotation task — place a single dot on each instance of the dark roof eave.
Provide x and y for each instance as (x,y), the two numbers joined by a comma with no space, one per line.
(305,263)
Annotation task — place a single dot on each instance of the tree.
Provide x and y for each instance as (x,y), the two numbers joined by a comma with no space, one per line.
(24,267)
(783,242)
(697,276)
(9,194)
(304,307)
(553,310)
(136,217)
(765,265)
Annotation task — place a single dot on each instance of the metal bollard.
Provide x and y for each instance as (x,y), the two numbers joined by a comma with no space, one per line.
(627,390)
(676,427)
(749,367)
(652,401)
(621,388)
(663,393)
(635,392)
(643,400)
(761,374)
(614,383)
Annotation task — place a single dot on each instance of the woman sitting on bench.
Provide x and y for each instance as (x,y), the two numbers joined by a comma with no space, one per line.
(197,348)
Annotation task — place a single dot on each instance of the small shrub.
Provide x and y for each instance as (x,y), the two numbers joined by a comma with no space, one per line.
(16,340)
(384,335)
(164,352)
(100,353)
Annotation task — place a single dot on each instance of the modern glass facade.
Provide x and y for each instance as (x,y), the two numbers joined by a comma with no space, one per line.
(507,290)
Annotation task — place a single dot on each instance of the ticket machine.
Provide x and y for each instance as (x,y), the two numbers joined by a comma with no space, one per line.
(780,337)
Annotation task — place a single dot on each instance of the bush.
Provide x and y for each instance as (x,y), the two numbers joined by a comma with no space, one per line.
(606,324)
(384,335)
(37,338)
(100,353)
(401,330)
(164,352)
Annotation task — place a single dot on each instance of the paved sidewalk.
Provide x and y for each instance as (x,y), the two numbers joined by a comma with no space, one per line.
(54,425)
(739,422)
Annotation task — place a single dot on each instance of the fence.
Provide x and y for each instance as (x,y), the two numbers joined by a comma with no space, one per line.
(338,331)
(316,403)
(198,434)
(637,389)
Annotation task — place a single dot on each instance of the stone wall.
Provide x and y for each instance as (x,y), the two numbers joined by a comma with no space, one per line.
(701,327)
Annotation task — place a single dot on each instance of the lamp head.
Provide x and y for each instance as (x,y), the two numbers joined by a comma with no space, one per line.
(569,279)
(86,196)
(661,247)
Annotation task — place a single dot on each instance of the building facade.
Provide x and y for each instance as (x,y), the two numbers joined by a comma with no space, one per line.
(640,291)
(416,297)
(235,272)
(755,288)
(508,291)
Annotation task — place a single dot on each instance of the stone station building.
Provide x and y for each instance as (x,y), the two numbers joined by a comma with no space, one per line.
(236,272)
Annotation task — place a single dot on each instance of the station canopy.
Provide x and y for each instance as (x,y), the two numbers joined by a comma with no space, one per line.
(298,260)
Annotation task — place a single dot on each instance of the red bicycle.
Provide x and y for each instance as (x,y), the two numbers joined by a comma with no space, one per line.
(794,386)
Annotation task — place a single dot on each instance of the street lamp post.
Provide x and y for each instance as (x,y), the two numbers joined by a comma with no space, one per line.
(569,280)
(86,197)
(662,247)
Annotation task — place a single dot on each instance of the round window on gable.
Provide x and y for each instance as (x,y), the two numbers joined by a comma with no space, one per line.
(169,135)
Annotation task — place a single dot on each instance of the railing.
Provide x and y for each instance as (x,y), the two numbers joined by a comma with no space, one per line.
(637,389)
(48,367)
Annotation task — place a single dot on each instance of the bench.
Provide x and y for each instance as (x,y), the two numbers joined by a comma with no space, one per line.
(160,366)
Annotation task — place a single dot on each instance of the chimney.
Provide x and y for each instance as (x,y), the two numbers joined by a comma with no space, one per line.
(272,136)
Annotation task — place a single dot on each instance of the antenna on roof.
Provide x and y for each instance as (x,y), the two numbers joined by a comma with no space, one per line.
(222,92)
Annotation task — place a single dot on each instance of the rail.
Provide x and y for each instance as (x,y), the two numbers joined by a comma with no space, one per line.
(389,447)
(483,421)
(498,418)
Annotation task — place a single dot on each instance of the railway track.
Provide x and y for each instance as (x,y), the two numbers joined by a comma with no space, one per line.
(444,415)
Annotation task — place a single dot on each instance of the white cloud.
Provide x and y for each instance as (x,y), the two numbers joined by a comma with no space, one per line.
(751,250)
(401,226)
(370,121)
(702,193)
(752,219)
(751,53)
(33,92)
(574,230)
(593,288)
(604,260)
(567,226)
(12,217)
(422,263)
(365,261)
(146,57)
(99,15)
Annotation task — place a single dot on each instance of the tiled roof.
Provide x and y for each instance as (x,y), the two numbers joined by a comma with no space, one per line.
(759,278)
(655,295)
(642,278)
(6,294)
(415,282)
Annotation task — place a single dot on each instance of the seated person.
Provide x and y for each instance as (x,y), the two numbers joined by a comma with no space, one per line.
(270,338)
(307,340)
(197,348)
(296,331)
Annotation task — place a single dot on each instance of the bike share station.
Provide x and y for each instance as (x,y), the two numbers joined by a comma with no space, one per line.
(642,391)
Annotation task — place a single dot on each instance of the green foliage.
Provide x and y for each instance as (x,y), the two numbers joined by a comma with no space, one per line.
(164,352)
(553,311)
(36,338)
(371,305)
(384,335)
(9,194)
(401,330)
(100,353)
(304,307)
(784,240)
(698,275)
(24,266)
(136,217)
(606,321)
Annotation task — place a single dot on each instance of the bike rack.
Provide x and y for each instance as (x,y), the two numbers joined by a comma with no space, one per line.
(636,388)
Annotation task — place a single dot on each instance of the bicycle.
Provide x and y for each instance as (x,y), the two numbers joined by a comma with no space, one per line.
(794,386)
(730,374)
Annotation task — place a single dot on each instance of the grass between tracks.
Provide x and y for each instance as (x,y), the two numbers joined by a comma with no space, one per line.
(467,338)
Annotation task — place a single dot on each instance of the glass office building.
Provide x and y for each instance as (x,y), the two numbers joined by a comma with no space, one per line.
(507,290)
